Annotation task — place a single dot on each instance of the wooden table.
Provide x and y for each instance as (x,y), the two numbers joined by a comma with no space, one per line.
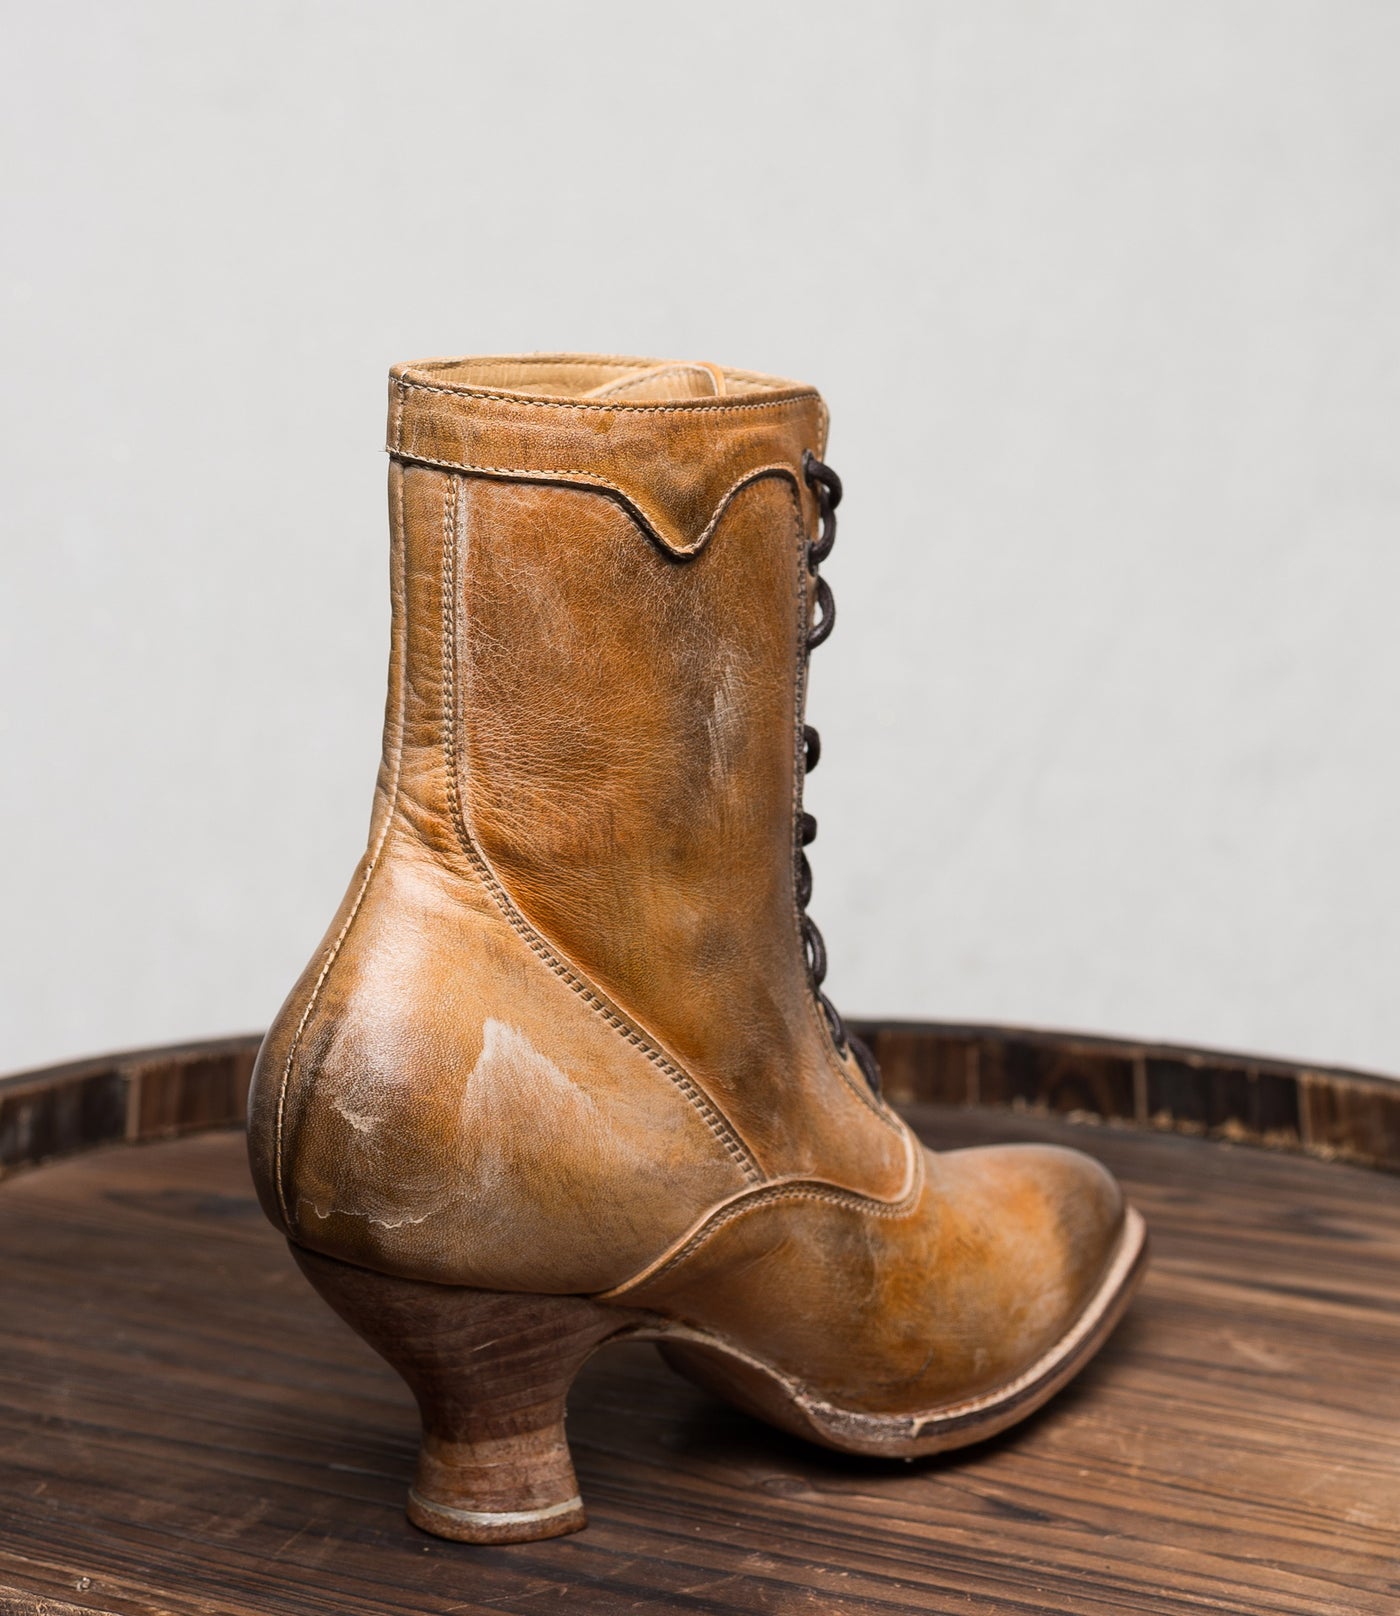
(185,1428)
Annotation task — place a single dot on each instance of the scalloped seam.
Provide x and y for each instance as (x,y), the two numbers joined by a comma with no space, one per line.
(587,479)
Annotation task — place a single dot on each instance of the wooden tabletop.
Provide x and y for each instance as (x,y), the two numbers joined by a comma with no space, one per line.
(184,1427)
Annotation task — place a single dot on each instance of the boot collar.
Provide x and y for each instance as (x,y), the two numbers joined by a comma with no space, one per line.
(672,441)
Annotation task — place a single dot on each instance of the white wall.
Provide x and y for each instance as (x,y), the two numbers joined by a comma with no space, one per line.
(1106,302)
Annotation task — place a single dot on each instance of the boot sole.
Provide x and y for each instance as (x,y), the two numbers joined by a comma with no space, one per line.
(491,1372)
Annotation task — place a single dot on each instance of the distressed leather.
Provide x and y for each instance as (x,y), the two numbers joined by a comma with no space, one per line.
(888,1309)
(560,1035)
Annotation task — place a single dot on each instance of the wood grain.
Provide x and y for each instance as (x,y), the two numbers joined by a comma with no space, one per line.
(186,1428)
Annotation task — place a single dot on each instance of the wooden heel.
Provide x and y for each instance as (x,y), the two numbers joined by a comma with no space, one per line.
(490,1371)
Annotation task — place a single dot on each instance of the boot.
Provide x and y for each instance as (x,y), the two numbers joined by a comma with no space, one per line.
(562,1071)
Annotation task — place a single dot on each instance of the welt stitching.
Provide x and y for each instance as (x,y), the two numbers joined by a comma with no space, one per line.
(717,1124)
(716,406)
(370,868)
(835,1060)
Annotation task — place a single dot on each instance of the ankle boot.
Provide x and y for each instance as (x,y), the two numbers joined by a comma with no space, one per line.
(562,1071)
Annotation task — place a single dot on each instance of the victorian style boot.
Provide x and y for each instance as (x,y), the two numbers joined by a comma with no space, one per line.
(562,1071)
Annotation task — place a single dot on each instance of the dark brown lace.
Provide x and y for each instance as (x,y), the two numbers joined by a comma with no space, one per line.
(824,482)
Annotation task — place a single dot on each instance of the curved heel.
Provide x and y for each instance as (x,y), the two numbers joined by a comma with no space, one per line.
(490,1371)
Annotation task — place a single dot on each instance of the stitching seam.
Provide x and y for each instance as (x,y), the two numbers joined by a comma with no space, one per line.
(714,1120)
(587,362)
(393,795)
(713,405)
(751,380)
(772,1197)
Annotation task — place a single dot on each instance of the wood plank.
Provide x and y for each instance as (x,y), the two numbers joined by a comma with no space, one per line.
(184,1427)
(1321,1111)
(133,1095)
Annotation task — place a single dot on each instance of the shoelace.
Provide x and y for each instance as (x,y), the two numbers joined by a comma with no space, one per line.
(824,482)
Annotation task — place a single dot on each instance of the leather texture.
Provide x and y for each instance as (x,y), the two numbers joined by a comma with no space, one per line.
(560,1036)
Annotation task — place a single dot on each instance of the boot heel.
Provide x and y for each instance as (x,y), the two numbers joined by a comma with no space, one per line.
(490,1371)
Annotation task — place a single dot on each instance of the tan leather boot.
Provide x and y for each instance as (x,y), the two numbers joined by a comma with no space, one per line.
(562,1071)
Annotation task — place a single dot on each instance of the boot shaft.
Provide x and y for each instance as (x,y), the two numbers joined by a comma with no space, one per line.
(605,653)
(565,1005)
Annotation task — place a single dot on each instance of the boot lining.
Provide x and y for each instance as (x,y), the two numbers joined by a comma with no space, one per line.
(599,380)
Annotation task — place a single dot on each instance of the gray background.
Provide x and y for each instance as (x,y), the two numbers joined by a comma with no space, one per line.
(1104,299)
